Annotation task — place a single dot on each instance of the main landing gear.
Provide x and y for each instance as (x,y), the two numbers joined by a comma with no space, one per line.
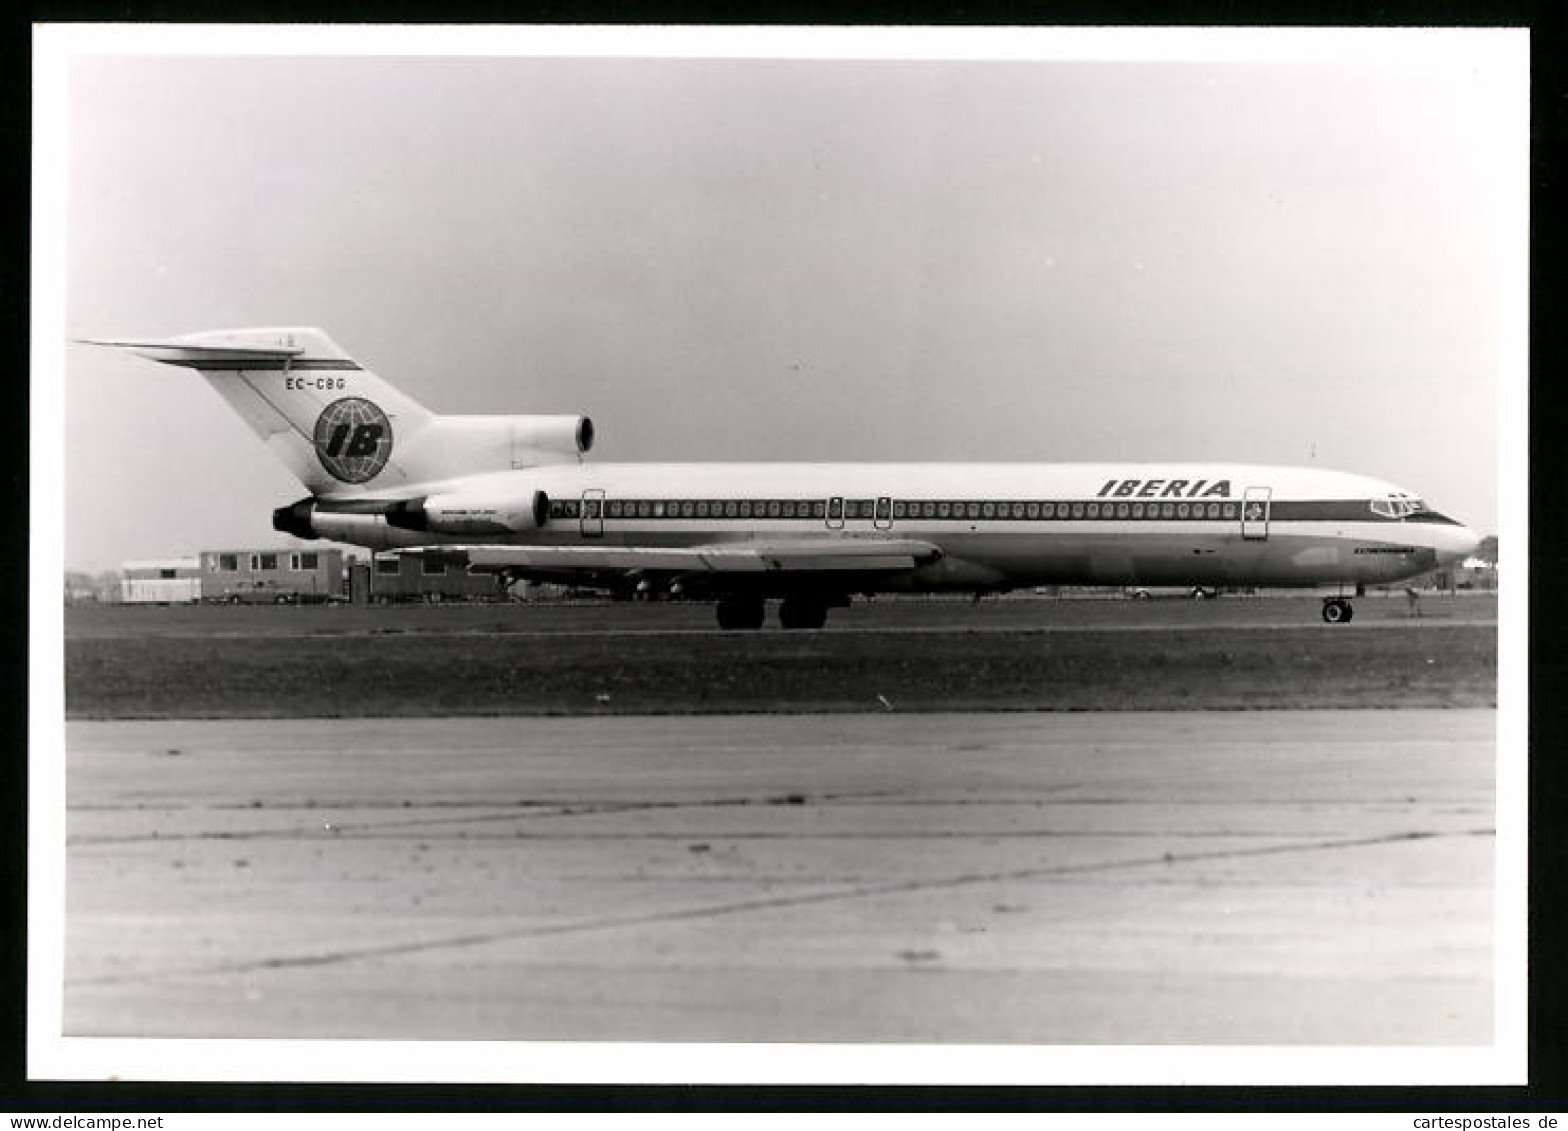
(794,612)
(1337,610)
(741,612)
(803,612)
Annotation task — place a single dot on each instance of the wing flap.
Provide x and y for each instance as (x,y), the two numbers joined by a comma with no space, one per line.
(826,555)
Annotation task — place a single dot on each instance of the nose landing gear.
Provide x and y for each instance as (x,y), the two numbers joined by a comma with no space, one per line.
(1337,610)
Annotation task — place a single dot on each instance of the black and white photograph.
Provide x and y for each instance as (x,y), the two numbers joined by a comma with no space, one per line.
(761,555)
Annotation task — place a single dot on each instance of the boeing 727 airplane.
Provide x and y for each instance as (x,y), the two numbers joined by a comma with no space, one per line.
(513,495)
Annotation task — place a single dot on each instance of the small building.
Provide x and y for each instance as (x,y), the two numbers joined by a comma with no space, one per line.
(173,581)
(272,577)
(415,577)
(1476,573)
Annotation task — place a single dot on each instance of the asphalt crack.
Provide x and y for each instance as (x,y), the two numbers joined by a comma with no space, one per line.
(771,903)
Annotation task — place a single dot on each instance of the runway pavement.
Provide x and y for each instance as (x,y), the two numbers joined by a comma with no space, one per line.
(1321,877)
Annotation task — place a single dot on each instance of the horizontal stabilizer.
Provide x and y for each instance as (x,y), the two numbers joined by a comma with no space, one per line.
(178,351)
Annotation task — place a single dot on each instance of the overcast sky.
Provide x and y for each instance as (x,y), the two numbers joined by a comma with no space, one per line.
(1265,260)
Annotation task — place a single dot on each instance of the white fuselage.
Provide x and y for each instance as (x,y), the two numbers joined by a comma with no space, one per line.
(997,526)
(512,495)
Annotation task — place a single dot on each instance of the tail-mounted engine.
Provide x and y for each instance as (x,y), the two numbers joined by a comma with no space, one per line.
(472,512)
(487,511)
(568,435)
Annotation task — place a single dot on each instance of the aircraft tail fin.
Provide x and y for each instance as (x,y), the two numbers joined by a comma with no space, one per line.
(333,423)
(341,429)
(328,419)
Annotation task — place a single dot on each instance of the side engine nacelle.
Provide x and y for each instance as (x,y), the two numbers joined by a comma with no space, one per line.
(363,524)
(472,512)
(464,513)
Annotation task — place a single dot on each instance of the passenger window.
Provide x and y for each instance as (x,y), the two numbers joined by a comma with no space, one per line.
(988,510)
(1094,510)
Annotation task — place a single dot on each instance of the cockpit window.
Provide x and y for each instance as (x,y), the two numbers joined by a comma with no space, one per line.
(1397,505)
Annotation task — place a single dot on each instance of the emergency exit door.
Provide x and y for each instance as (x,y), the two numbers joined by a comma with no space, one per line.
(591,515)
(1255,513)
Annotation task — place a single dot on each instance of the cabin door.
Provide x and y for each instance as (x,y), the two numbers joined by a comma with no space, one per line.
(835,517)
(591,515)
(1255,514)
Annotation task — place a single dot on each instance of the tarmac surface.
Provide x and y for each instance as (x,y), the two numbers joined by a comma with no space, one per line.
(1316,878)
(625,658)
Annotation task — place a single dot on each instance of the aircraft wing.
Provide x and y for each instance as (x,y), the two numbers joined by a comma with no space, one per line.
(806,555)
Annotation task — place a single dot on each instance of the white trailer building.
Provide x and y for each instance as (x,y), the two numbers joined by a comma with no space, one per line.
(176,581)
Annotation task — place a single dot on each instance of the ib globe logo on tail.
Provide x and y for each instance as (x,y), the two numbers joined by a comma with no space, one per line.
(353,440)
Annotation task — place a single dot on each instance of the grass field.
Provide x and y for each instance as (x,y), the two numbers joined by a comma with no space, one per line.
(1069,655)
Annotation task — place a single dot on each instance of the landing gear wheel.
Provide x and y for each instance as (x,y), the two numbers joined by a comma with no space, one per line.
(740,612)
(1338,611)
(803,612)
